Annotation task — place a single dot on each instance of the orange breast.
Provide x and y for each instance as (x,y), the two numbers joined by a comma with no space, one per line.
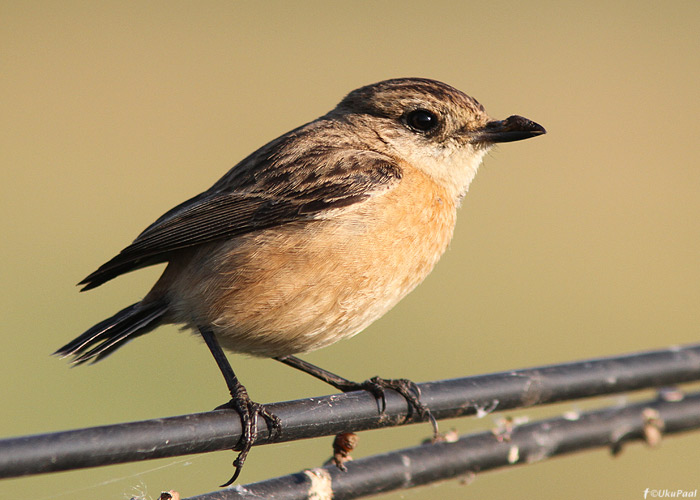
(302,286)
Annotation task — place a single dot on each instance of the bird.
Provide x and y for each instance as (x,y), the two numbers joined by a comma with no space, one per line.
(311,238)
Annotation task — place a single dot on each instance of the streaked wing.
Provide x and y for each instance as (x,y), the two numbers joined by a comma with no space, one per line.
(281,193)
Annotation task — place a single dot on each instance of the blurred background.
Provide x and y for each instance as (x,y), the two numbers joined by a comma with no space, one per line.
(581,243)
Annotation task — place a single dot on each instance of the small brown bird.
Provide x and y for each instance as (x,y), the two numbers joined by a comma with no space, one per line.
(312,237)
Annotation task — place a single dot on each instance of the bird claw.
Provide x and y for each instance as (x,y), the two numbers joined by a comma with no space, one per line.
(249,412)
(406,388)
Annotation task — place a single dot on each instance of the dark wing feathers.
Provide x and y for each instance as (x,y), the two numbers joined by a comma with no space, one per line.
(283,191)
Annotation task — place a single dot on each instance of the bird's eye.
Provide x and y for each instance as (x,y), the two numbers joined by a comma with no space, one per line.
(421,120)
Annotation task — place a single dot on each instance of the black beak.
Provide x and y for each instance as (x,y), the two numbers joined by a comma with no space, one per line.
(513,128)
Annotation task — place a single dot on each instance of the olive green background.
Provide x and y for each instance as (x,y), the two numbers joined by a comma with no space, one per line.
(581,243)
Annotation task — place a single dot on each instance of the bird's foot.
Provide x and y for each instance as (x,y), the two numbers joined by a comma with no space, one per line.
(249,412)
(406,388)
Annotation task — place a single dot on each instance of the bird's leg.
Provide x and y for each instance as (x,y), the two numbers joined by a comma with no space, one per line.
(376,386)
(241,402)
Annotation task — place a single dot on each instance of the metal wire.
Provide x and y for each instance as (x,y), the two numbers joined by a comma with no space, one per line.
(355,411)
(476,453)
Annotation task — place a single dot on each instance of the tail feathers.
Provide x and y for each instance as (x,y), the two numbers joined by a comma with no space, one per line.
(112,333)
